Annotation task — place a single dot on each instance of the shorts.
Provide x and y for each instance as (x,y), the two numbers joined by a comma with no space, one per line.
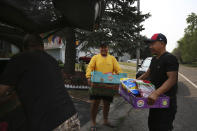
(161,119)
(72,124)
(105,98)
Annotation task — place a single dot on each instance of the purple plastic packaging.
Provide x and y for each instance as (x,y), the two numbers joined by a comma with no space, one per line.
(141,102)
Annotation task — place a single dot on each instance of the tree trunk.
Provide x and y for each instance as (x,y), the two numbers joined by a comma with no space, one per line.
(70,51)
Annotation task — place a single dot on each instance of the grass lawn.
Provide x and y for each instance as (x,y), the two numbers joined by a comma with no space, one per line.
(128,64)
(131,73)
(194,64)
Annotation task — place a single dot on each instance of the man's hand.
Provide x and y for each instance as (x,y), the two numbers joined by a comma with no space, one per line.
(172,79)
(6,98)
(152,98)
(6,93)
(4,89)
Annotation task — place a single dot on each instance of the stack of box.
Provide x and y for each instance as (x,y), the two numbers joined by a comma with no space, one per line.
(105,84)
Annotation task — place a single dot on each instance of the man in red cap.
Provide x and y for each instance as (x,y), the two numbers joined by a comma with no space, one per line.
(163,73)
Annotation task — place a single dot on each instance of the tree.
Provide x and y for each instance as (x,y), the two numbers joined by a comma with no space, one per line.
(144,48)
(177,53)
(70,52)
(187,46)
(118,28)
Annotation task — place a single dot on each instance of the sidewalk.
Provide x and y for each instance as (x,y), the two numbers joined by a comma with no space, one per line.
(123,117)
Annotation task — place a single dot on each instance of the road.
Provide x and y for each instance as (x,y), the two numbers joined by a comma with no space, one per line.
(186,118)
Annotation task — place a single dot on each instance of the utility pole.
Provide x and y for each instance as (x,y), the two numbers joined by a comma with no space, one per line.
(138,36)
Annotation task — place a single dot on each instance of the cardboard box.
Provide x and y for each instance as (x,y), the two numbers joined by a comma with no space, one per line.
(99,77)
(105,84)
(140,102)
(104,90)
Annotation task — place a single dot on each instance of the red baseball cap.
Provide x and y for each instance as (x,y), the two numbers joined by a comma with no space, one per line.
(157,37)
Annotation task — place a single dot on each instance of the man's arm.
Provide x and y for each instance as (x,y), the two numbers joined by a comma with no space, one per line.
(116,65)
(4,93)
(91,67)
(169,83)
(145,75)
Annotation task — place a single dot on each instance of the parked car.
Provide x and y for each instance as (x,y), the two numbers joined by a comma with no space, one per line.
(144,67)
(85,59)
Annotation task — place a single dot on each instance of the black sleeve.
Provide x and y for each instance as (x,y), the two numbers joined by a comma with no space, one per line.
(151,64)
(13,71)
(171,63)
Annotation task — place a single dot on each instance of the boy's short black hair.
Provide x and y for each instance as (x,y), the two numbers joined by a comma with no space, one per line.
(32,40)
(103,45)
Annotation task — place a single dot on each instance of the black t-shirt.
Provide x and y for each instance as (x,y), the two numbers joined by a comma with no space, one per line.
(159,68)
(40,86)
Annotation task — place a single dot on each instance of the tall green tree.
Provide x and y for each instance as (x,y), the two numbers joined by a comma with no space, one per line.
(118,27)
(177,53)
(187,45)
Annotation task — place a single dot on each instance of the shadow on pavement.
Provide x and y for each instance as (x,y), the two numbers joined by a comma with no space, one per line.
(83,109)
(186,116)
(183,90)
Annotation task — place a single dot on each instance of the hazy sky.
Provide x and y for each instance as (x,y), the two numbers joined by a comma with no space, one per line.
(167,17)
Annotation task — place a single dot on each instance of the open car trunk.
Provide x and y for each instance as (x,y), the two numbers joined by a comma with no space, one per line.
(3,63)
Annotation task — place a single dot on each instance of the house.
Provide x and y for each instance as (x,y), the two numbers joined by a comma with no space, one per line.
(56,48)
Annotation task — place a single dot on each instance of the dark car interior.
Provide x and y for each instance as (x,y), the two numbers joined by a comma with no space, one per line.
(3,63)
